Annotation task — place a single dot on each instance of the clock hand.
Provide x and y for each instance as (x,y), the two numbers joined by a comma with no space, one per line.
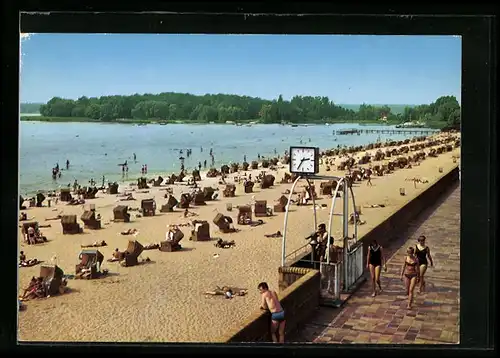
(301,161)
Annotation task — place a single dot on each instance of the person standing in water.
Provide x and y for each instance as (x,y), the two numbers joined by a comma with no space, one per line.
(411,274)
(375,260)
(423,253)
(135,158)
(271,302)
(67,164)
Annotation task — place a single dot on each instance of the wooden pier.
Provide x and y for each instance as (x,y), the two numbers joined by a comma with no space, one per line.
(385,131)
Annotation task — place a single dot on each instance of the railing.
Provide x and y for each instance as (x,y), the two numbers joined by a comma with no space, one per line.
(353,266)
(291,258)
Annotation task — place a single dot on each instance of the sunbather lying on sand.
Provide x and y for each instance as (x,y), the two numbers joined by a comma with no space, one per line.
(130,232)
(256,223)
(23,262)
(29,263)
(223,244)
(151,246)
(58,217)
(96,244)
(188,213)
(128,197)
(276,234)
(23,217)
(227,292)
(375,206)
(76,201)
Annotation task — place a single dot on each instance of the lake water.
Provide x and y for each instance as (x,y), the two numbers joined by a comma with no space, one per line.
(95,150)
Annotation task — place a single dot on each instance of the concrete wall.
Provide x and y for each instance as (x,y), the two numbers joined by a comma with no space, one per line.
(299,300)
(299,287)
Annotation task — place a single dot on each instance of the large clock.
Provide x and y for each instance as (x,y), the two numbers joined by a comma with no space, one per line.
(304,160)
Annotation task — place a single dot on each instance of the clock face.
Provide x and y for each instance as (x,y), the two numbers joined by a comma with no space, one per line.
(302,160)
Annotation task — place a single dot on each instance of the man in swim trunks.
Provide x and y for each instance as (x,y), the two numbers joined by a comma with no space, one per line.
(271,302)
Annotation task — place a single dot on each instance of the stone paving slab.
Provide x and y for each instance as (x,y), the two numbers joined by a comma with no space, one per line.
(434,318)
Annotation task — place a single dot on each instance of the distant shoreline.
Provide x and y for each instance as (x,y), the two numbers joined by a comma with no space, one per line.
(126,180)
(33,118)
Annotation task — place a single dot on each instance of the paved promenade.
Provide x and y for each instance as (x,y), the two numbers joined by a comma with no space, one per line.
(434,318)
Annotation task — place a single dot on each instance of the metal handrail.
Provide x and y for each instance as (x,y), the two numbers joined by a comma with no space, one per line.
(295,252)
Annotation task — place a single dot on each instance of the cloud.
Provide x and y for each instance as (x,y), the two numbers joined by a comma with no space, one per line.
(25,36)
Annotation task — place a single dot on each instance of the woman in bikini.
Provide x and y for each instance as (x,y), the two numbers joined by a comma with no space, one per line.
(411,274)
(374,262)
(423,253)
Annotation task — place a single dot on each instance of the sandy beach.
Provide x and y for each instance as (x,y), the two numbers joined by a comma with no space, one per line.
(163,300)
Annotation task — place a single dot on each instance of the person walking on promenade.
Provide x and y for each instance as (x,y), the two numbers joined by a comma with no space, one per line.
(411,273)
(423,253)
(271,302)
(374,262)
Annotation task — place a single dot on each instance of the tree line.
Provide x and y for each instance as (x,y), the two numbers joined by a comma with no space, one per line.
(220,108)
(30,107)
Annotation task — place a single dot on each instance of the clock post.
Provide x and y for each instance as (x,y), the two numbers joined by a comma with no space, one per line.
(304,161)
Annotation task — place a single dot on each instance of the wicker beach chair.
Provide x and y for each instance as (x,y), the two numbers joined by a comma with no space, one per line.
(158,181)
(280,206)
(112,188)
(70,225)
(196,175)
(52,276)
(244,214)
(185,200)
(39,199)
(90,259)
(248,186)
(199,199)
(260,208)
(267,181)
(229,191)
(120,214)
(131,255)
(142,183)
(148,207)
(170,205)
(66,194)
(89,220)
(223,223)
(201,231)
(172,245)
(208,193)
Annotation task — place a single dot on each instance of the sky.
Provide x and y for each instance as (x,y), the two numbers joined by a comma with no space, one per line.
(349,69)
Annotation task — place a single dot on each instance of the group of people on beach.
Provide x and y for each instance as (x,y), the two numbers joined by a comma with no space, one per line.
(413,270)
